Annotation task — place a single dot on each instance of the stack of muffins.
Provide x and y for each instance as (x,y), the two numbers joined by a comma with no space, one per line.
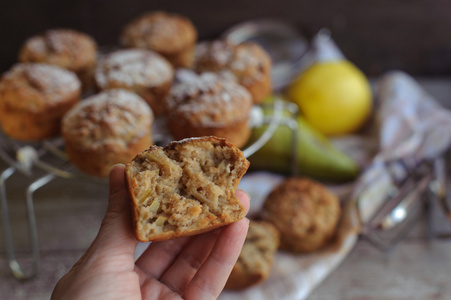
(40,96)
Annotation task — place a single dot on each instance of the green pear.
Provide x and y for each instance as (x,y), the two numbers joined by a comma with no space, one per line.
(316,156)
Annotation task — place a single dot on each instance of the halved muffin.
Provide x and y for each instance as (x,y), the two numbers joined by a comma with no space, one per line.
(186,188)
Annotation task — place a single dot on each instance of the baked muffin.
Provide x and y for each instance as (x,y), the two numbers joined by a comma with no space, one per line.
(248,61)
(256,258)
(144,72)
(65,48)
(209,104)
(305,212)
(33,99)
(106,129)
(171,35)
(186,188)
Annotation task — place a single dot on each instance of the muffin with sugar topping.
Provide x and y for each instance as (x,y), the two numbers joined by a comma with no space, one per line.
(67,48)
(144,72)
(171,35)
(105,129)
(248,61)
(209,104)
(33,99)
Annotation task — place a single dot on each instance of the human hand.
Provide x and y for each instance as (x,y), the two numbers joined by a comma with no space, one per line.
(195,267)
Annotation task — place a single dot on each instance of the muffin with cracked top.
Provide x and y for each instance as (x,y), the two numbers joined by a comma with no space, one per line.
(171,35)
(144,72)
(248,61)
(106,129)
(33,99)
(305,212)
(66,48)
(209,104)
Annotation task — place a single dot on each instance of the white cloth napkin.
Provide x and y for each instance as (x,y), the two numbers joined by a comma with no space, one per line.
(412,127)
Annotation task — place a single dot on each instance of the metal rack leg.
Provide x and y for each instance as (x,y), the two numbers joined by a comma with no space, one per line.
(16,269)
(12,262)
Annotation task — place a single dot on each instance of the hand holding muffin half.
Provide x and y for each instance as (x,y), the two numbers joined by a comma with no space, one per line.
(192,267)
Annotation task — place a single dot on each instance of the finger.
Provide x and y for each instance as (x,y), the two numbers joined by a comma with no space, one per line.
(152,288)
(188,262)
(116,235)
(116,179)
(159,256)
(244,198)
(213,274)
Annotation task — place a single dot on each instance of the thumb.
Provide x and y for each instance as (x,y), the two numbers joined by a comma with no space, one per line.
(116,234)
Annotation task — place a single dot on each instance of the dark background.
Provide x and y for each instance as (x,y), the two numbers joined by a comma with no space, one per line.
(377,35)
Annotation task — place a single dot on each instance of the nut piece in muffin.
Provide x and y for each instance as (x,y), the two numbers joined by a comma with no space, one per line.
(144,72)
(248,61)
(185,188)
(106,129)
(256,258)
(65,48)
(171,35)
(209,104)
(33,99)
(305,212)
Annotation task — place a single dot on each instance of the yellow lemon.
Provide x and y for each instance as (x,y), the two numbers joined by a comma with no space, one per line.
(334,97)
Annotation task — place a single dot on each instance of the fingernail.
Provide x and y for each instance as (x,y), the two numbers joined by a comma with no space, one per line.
(244,192)
(116,165)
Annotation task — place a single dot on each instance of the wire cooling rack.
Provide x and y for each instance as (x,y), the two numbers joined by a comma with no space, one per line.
(45,161)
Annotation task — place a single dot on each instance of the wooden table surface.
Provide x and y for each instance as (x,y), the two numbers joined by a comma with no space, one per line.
(69,214)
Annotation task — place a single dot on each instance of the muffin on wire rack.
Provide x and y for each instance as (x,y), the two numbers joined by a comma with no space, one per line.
(66,48)
(248,61)
(144,72)
(171,35)
(33,99)
(209,104)
(105,129)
